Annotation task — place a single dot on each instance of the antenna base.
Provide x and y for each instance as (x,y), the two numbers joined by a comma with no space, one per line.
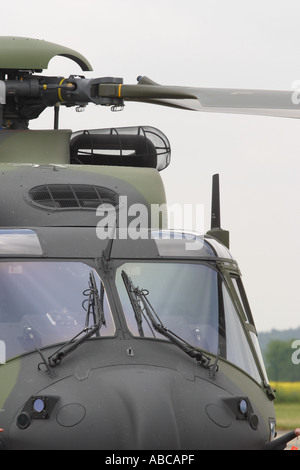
(220,235)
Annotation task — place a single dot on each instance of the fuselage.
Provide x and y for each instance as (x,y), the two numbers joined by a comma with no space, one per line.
(77,373)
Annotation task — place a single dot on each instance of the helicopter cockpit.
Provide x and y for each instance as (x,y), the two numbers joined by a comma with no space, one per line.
(44,301)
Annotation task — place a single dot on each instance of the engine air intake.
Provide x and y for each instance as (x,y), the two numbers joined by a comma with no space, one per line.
(140,146)
(72,196)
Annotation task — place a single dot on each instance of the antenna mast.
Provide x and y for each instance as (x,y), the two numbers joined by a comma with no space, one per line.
(215,228)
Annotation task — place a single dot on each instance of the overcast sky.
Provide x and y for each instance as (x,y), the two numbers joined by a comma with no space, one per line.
(216,43)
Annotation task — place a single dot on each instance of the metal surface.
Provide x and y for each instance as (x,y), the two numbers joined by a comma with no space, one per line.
(34,54)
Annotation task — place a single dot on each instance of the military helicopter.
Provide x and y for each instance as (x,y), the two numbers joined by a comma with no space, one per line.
(117,333)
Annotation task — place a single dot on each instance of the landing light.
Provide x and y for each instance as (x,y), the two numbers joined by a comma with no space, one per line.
(38,405)
(243,407)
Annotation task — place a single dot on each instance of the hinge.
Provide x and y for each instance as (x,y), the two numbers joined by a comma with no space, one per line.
(271,392)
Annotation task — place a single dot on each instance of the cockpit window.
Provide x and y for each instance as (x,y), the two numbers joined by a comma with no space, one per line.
(240,291)
(43,303)
(184,296)
(237,347)
(192,301)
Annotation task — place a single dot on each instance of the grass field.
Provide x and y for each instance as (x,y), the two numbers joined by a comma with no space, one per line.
(287,404)
(287,392)
(287,416)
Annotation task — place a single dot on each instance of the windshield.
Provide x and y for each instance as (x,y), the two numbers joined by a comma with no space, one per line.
(43,303)
(192,301)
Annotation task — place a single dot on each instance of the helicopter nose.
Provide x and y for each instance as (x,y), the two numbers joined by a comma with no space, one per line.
(119,407)
(133,407)
(136,409)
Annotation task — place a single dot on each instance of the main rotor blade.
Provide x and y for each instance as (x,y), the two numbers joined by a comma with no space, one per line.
(216,100)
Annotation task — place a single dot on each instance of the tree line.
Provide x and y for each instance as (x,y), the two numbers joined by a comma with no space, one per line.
(282,360)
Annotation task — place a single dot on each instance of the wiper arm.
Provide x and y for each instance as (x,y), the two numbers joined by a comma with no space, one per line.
(141,304)
(95,307)
(135,302)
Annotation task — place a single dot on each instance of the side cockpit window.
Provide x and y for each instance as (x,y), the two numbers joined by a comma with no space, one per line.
(240,291)
(238,350)
(249,322)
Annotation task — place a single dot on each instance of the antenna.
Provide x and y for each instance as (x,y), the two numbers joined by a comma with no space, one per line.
(215,226)
(215,204)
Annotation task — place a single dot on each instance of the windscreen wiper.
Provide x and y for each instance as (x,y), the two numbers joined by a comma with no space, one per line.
(143,309)
(135,302)
(94,308)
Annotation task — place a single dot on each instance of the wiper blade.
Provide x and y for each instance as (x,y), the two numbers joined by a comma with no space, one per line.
(135,302)
(94,308)
(142,306)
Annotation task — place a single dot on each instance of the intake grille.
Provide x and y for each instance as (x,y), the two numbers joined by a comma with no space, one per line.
(71,196)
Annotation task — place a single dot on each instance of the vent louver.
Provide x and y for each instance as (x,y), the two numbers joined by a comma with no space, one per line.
(72,196)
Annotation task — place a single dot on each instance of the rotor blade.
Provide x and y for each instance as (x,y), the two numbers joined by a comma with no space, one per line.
(217,100)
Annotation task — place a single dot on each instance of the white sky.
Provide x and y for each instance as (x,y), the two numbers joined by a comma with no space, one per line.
(216,43)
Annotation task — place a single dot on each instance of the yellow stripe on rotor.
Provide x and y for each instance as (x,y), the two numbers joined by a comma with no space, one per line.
(59,89)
